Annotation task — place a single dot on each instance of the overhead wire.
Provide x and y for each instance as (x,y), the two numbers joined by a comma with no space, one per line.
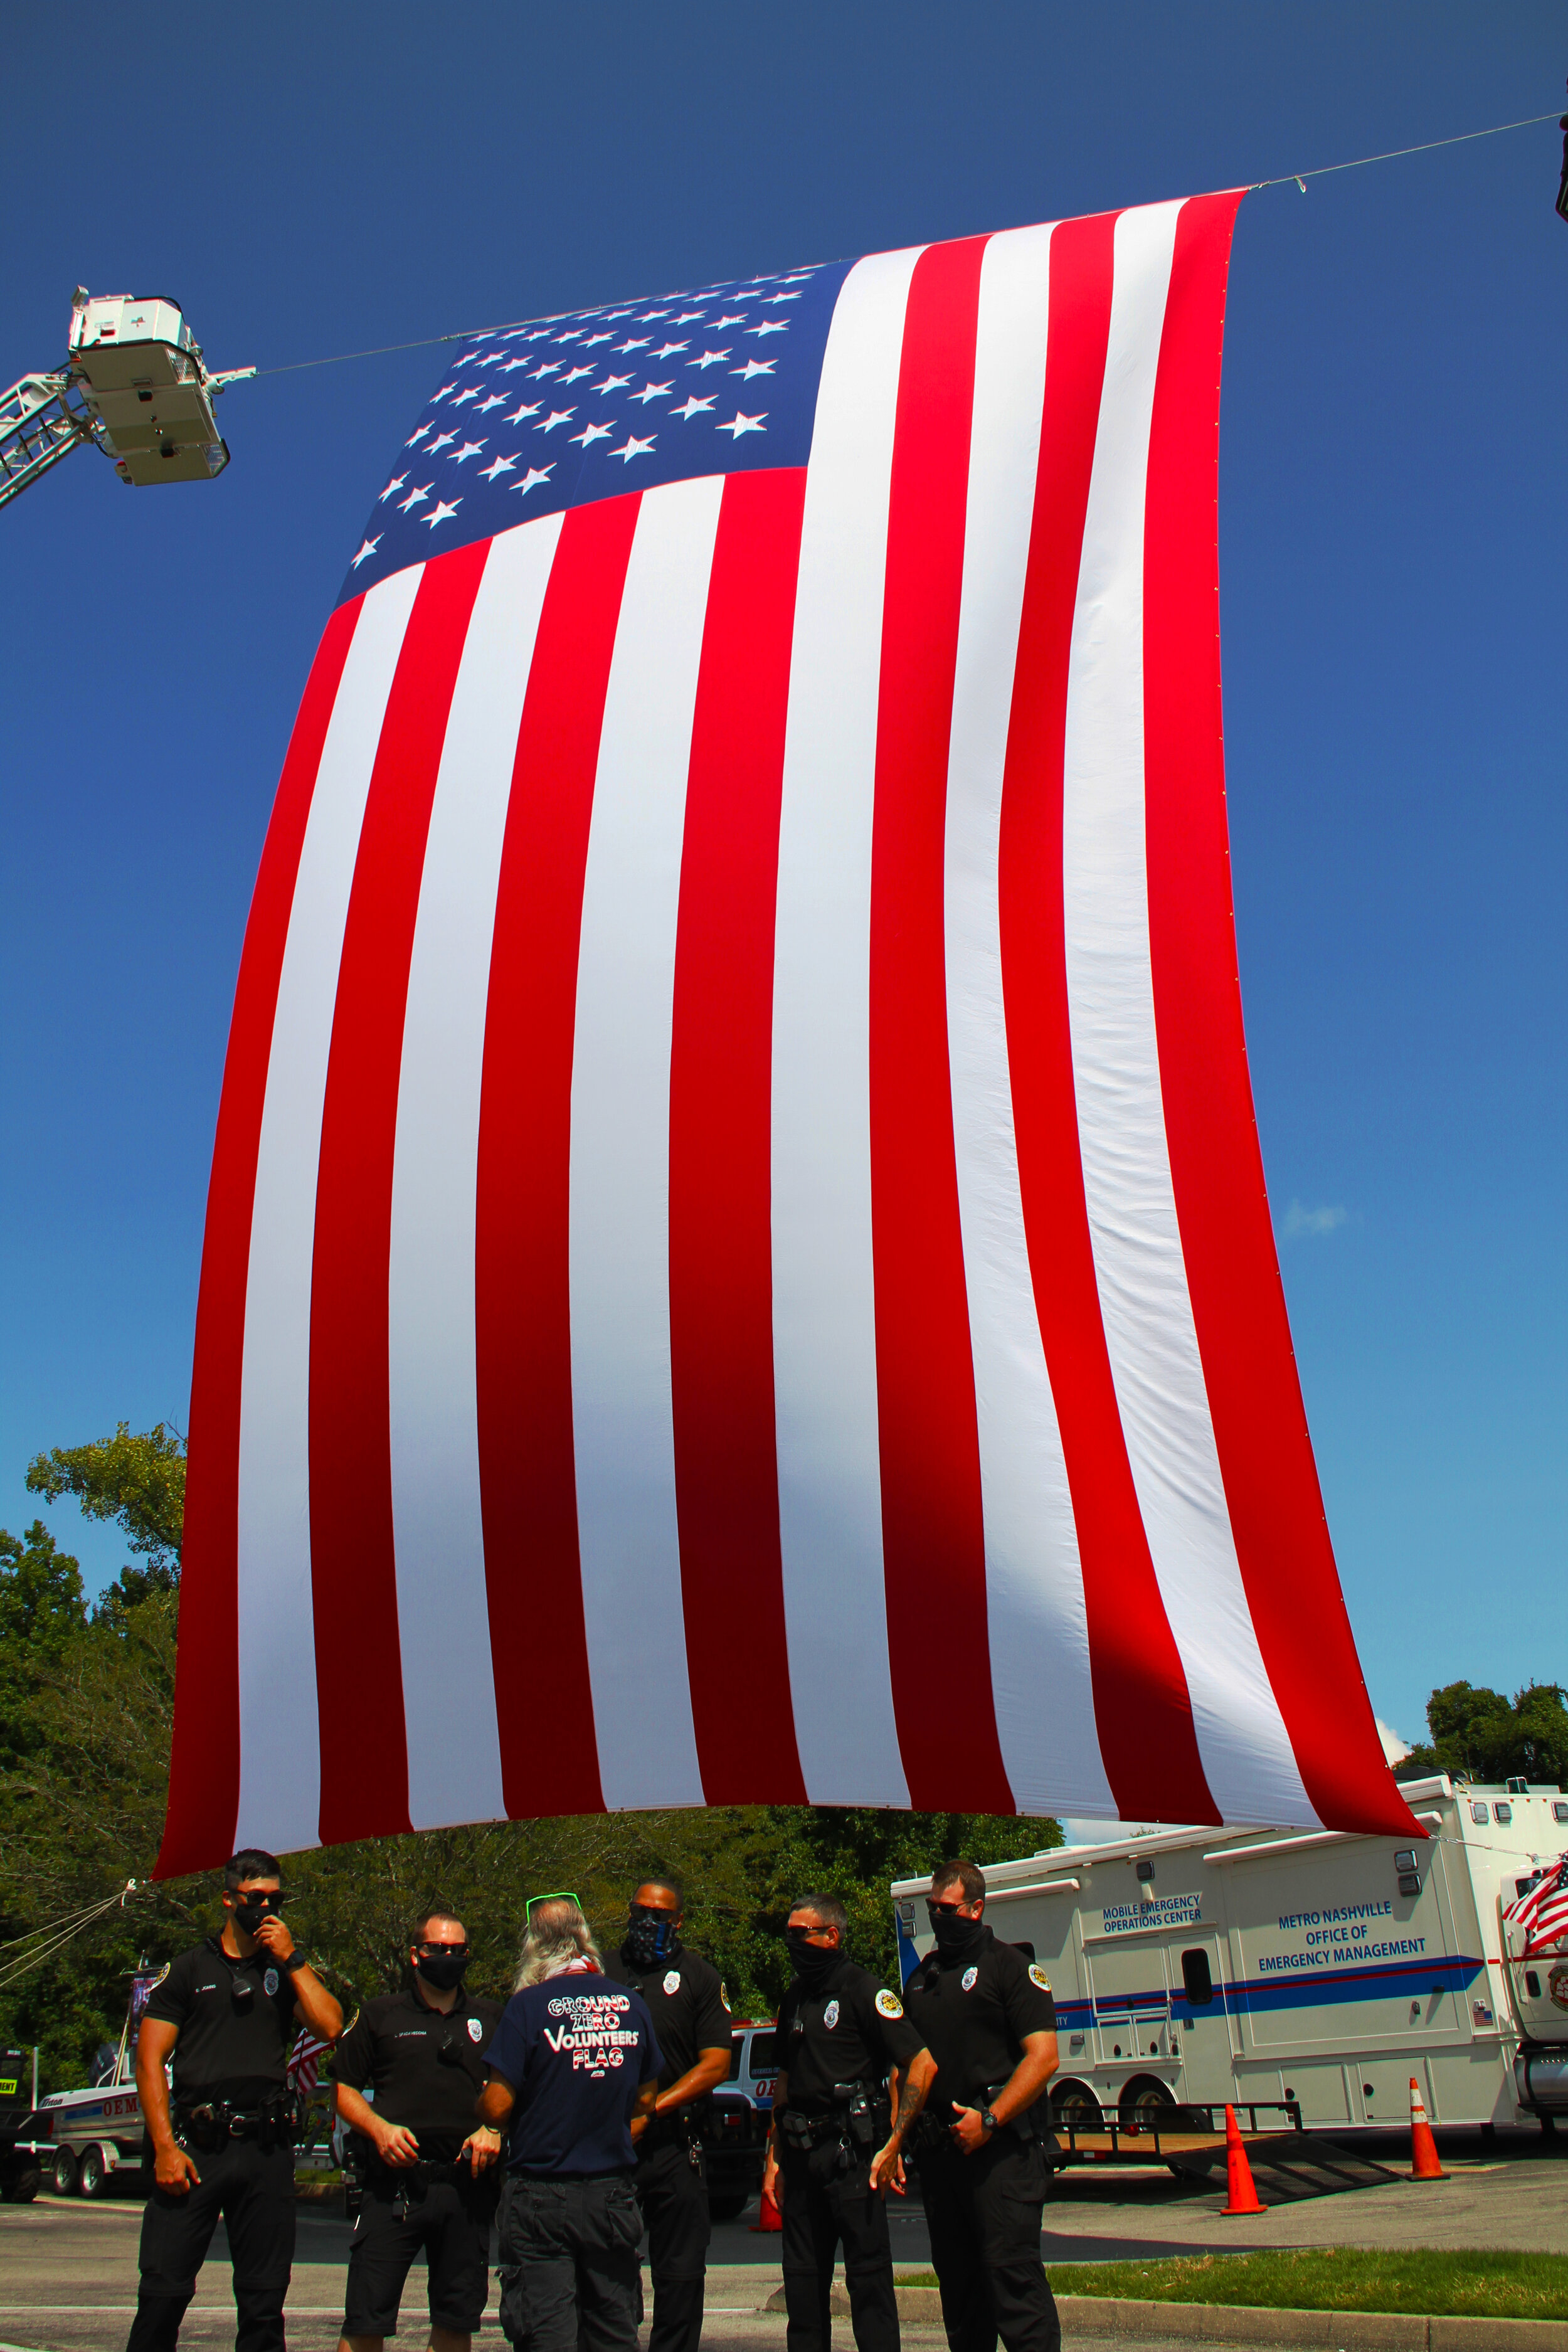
(46,1941)
(1318,172)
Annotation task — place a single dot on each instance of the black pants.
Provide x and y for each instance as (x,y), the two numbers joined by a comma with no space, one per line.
(253,2189)
(569,2272)
(825,2208)
(983,2215)
(450,2220)
(673,2194)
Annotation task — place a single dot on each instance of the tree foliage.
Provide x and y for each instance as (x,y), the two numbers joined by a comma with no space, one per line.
(1485,1735)
(86,1707)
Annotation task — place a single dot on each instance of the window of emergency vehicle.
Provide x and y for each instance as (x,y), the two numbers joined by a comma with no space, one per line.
(765,2054)
(1502,1812)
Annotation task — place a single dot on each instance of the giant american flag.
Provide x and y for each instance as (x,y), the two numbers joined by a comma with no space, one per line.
(737,1265)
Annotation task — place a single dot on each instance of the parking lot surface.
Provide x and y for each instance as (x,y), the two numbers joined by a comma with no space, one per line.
(67,2270)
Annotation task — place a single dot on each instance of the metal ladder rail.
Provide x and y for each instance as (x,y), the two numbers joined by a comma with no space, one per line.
(42,419)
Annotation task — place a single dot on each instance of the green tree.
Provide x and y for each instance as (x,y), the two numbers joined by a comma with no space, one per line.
(1485,1735)
(136,1479)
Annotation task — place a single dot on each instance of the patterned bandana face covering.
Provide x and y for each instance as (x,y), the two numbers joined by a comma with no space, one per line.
(650,1936)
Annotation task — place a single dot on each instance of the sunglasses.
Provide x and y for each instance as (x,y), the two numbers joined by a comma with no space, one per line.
(561,1895)
(450,1952)
(943,1910)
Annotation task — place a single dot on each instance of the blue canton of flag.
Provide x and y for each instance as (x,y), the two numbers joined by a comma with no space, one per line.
(556,413)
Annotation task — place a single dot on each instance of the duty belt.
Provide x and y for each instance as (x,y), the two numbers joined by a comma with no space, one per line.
(208,2124)
(859,2120)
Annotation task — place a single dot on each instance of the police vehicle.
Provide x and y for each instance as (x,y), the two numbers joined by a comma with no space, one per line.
(734,2126)
(1312,1973)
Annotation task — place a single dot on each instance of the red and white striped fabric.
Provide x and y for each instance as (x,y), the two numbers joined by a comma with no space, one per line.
(304,2068)
(1541,1912)
(737,1265)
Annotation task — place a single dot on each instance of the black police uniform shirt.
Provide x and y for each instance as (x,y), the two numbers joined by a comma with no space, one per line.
(972,2012)
(235,2022)
(684,1997)
(848,2029)
(423,2068)
(576,2049)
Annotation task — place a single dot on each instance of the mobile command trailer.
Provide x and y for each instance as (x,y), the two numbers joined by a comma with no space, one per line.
(1196,1967)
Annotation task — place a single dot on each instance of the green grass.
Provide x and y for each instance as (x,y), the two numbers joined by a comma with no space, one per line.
(1481,2284)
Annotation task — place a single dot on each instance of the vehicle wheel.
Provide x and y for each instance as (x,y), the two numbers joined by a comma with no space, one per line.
(22,2187)
(63,2180)
(1075,2108)
(727,2208)
(1146,2103)
(93,2178)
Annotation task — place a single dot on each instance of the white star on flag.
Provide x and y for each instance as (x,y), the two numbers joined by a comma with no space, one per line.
(693,407)
(770,327)
(551,367)
(496,400)
(521,361)
(417,437)
(733,319)
(667,351)
(739,425)
(605,338)
(413,499)
(632,449)
(528,408)
(469,449)
(497,466)
(556,416)
(754,367)
(612,384)
(684,318)
(395,484)
(782,297)
(446,388)
(653,391)
(572,374)
(636,344)
(708,360)
(439,443)
(368,549)
(536,473)
(472,393)
(591,432)
(440,511)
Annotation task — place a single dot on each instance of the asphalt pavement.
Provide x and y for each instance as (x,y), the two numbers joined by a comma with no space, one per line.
(67,2270)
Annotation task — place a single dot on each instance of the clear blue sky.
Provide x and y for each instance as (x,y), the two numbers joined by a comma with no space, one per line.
(1395,563)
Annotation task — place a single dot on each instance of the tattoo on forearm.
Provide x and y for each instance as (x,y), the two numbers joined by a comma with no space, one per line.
(911,2099)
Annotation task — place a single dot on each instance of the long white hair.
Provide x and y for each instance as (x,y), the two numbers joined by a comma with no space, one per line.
(557,1937)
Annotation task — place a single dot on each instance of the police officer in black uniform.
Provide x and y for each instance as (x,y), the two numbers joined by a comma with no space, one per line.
(691,2022)
(829,2146)
(428,2174)
(226,2013)
(986,2014)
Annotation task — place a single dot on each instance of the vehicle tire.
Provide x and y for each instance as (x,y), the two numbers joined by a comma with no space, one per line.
(727,2207)
(63,2174)
(22,2186)
(1143,2102)
(93,2174)
(1074,2107)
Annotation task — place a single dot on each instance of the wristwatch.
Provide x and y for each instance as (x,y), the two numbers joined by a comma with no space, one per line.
(988,2122)
(296,1959)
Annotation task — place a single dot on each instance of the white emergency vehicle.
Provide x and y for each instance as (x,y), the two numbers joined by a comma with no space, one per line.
(1318,1971)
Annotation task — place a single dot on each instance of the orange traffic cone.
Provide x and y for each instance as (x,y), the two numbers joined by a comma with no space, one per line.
(768,2215)
(1423,2164)
(1244,2197)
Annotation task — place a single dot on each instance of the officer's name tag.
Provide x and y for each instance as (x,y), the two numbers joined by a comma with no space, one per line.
(889,2005)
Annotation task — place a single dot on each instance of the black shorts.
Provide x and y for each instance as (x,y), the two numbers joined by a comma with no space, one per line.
(451,2222)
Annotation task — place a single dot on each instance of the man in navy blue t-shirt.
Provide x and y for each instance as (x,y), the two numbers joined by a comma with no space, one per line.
(572,2062)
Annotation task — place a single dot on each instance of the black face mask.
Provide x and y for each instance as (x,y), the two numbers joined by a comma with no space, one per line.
(954,1937)
(250,1910)
(441,1970)
(650,1936)
(813,1963)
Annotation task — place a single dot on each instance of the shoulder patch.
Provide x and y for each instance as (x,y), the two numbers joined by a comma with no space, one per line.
(723,1996)
(1038,1976)
(889,2005)
(349,2027)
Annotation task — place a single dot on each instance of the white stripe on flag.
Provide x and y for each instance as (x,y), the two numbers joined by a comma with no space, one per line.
(280,1731)
(622,1411)
(442,1621)
(1147,1311)
(825,1333)
(1040,1680)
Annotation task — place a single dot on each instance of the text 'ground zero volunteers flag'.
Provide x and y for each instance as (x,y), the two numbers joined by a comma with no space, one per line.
(737,1265)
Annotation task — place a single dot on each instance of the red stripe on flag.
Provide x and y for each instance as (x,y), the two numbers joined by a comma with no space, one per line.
(720,1082)
(1142,1707)
(204,1770)
(1217,1166)
(933,1533)
(353,1570)
(523,1285)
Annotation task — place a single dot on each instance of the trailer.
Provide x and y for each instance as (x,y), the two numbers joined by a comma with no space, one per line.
(1307,1976)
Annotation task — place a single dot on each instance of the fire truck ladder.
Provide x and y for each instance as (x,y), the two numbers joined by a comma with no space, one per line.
(42,420)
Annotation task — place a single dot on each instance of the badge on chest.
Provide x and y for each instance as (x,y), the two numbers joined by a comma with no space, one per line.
(672,1981)
(830,2015)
